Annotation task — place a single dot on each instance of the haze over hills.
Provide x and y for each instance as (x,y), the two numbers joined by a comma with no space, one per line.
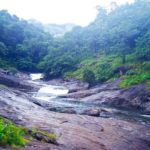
(56,30)
(58,12)
(59,30)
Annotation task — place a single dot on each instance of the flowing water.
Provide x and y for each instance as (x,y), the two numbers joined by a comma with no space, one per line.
(36,76)
(48,96)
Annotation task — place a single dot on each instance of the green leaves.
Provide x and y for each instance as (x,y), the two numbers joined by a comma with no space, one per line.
(89,77)
(3,49)
(11,134)
(135,79)
(121,33)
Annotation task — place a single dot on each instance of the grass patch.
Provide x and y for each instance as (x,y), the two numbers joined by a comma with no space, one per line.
(135,79)
(11,134)
(18,136)
(43,136)
(148,84)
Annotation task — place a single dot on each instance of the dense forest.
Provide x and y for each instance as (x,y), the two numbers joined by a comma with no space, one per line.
(116,44)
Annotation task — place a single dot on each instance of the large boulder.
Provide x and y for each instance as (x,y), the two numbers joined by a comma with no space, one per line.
(136,97)
(15,82)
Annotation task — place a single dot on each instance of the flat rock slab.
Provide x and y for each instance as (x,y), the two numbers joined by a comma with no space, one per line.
(74,132)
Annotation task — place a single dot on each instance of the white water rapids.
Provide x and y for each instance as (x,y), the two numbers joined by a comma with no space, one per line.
(47,92)
(36,76)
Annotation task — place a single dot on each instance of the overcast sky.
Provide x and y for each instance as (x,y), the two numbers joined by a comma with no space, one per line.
(79,12)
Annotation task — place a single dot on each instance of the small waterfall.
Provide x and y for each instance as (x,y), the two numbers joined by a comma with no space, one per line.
(36,76)
(49,92)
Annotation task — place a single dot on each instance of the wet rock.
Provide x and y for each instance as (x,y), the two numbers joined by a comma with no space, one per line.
(82,93)
(75,85)
(38,136)
(92,112)
(99,112)
(102,97)
(8,80)
(136,97)
(63,110)
(68,111)
(146,107)
(78,86)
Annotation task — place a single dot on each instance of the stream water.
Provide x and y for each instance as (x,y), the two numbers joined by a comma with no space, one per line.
(48,96)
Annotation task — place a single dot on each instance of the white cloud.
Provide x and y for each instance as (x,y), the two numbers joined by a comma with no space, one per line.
(56,11)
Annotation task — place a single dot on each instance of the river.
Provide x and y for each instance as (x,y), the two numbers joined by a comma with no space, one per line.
(49,96)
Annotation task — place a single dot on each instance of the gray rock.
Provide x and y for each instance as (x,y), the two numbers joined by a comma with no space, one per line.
(73,131)
(16,82)
(92,112)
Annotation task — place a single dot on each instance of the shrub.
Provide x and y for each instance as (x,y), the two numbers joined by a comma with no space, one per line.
(103,72)
(88,76)
(11,134)
(135,79)
(131,72)
(12,70)
(146,66)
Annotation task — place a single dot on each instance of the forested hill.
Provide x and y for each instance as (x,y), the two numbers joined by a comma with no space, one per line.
(22,45)
(115,44)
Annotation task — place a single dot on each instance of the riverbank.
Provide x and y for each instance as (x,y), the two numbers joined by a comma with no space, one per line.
(73,131)
(135,98)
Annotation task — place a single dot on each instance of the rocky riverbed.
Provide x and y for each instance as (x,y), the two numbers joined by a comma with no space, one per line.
(76,129)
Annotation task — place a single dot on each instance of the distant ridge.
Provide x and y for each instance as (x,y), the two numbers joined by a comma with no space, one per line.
(56,30)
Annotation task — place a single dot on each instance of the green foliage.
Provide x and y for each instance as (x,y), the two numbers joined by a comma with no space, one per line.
(143,47)
(118,38)
(89,77)
(131,72)
(145,65)
(135,79)
(148,83)
(104,72)
(102,68)
(12,70)
(22,45)
(3,49)
(57,66)
(25,64)
(11,134)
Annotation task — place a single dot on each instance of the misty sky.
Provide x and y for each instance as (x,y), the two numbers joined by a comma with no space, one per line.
(79,12)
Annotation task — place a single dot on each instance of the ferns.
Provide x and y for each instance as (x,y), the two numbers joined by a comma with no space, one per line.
(11,134)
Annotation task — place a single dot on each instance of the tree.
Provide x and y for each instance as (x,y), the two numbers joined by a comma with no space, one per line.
(89,77)
(143,47)
(3,49)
